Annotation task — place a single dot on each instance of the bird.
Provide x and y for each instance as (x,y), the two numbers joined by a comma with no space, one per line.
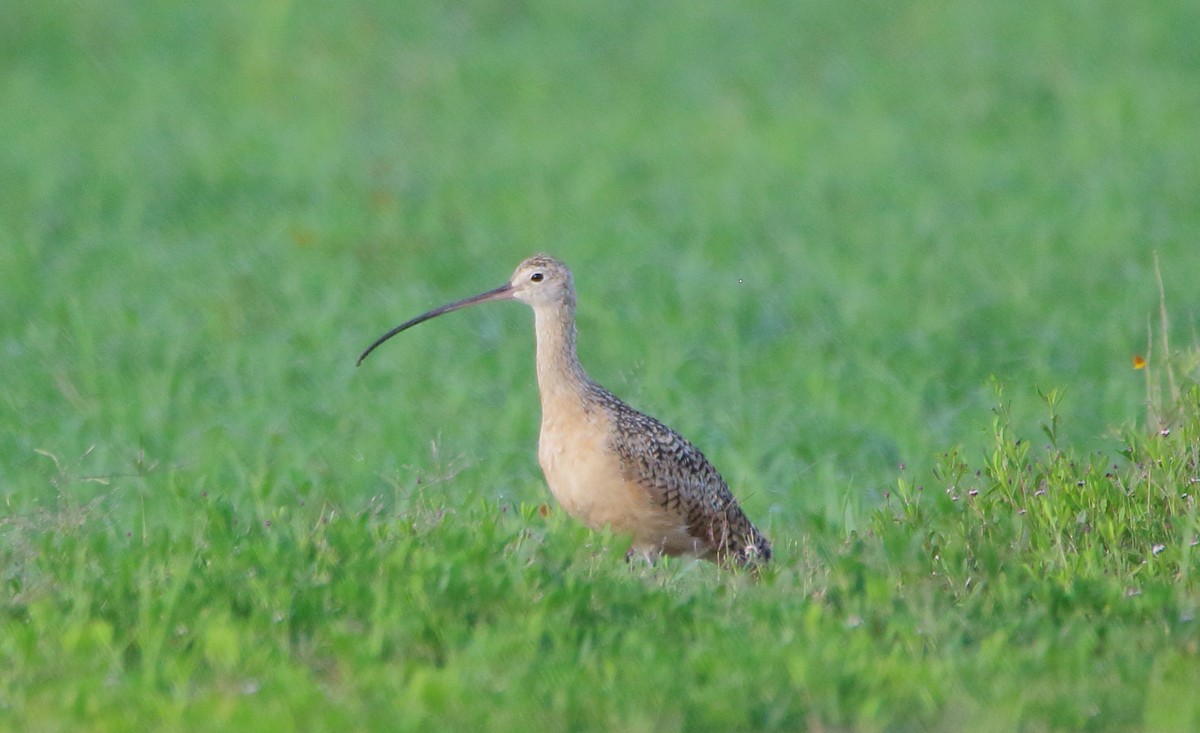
(607,464)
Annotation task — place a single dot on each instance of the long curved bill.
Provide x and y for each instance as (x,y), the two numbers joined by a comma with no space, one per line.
(504,292)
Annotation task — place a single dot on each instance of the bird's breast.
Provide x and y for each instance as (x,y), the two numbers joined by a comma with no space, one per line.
(585,474)
(579,467)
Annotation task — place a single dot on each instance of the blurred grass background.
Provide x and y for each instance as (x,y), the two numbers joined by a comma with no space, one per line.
(807,235)
(824,225)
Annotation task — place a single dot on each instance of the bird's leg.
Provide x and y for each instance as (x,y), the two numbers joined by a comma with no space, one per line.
(649,555)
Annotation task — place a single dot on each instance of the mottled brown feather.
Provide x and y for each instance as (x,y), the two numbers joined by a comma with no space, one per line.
(681,479)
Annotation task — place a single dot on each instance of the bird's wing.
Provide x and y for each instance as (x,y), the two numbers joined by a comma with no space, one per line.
(681,479)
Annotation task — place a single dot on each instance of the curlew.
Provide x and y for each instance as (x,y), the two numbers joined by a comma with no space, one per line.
(606,463)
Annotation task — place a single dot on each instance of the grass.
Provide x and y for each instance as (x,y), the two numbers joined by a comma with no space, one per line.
(887,265)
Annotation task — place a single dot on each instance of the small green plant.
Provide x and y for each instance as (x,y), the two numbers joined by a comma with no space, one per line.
(1166,403)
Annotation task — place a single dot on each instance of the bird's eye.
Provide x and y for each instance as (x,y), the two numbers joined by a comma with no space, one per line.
(537,277)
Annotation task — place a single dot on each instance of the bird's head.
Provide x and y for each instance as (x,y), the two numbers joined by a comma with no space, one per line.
(539,281)
(542,280)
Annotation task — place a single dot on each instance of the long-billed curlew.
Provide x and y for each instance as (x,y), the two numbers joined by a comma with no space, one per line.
(605,462)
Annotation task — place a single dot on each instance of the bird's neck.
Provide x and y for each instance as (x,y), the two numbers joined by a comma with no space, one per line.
(560,375)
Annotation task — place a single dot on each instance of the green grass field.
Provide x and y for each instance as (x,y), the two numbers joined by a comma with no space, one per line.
(887,264)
